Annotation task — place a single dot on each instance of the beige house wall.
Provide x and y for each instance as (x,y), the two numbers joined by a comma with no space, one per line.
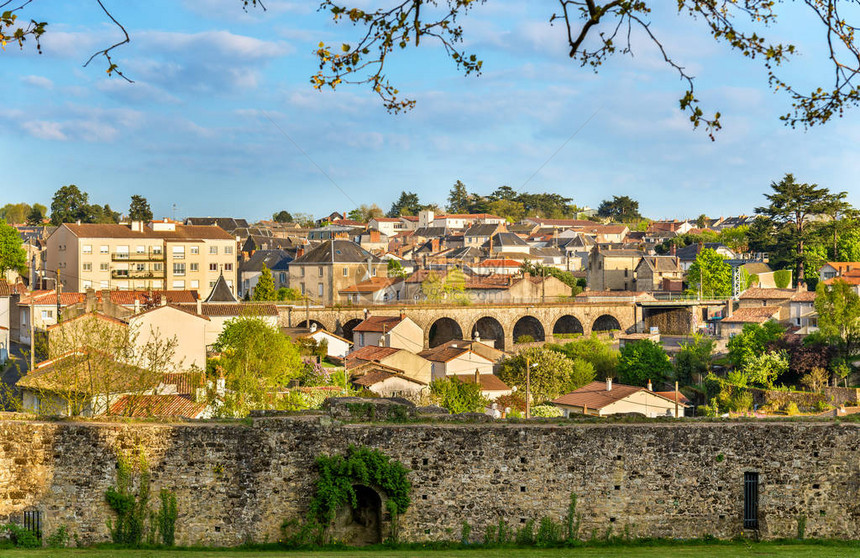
(413,366)
(314,280)
(169,325)
(466,363)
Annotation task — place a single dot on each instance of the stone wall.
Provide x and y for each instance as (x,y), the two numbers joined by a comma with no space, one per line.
(841,395)
(239,481)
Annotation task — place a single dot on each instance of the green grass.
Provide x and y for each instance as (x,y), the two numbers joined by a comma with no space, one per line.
(657,550)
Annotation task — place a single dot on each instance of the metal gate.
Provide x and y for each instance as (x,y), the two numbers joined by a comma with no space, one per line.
(33,522)
(750,500)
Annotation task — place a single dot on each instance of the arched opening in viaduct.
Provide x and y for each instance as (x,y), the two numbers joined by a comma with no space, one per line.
(605,323)
(567,326)
(490,331)
(348,327)
(305,323)
(528,326)
(444,330)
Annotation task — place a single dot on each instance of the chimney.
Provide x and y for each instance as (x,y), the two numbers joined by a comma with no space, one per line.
(164,300)
(136,305)
(673,250)
(477,377)
(608,384)
(650,387)
(300,252)
(137,226)
(199,307)
(402,314)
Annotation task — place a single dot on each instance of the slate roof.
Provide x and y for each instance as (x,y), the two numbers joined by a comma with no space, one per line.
(483,229)
(227,223)
(689,252)
(661,264)
(275,260)
(345,251)
(256,242)
(221,292)
(505,239)
(431,232)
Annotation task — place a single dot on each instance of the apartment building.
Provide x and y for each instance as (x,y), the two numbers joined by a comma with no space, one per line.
(160,255)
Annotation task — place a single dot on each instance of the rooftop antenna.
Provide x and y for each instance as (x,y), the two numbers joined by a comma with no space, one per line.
(174,212)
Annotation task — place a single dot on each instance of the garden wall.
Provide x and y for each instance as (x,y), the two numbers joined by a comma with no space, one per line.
(239,481)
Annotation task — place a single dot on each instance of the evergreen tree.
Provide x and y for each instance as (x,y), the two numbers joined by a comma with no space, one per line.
(139,209)
(458,199)
(265,289)
(69,204)
(36,215)
(407,204)
(620,208)
(282,217)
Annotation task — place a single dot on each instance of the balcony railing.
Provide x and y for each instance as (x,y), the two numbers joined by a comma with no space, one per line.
(138,257)
(134,274)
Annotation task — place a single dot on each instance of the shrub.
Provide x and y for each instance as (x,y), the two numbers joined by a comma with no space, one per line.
(546,411)
(526,534)
(549,532)
(20,537)
(552,373)
(130,505)
(642,361)
(59,538)
(457,396)
(525,339)
(166,517)
(791,409)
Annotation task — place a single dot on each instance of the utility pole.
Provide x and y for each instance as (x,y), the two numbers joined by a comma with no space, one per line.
(59,292)
(528,387)
(676,399)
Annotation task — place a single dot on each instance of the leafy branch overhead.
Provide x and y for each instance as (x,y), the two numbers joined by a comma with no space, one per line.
(595,30)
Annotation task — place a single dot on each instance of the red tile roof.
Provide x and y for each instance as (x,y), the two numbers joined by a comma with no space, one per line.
(489,382)
(372,285)
(757,293)
(156,406)
(378,375)
(368,353)
(755,315)
(596,396)
(803,296)
(182,232)
(378,324)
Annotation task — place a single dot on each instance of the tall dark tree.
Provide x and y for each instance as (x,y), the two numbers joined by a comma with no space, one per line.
(69,204)
(620,208)
(36,214)
(282,217)
(791,211)
(504,193)
(139,209)
(458,199)
(102,214)
(407,204)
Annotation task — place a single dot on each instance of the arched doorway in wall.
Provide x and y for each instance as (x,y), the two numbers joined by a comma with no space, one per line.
(360,525)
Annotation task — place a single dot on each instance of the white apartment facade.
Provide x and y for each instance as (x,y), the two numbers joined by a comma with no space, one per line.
(161,255)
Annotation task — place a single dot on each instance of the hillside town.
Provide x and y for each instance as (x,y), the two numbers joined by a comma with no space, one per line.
(503,312)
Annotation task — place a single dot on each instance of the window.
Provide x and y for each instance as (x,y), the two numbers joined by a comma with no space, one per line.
(178,252)
(345,272)
(750,500)
(87,284)
(195,250)
(104,266)
(103,284)
(104,249)
(87,249)
(282,278)
(228,249)
(195,284)
(87,266)
(122,252)
(179,269)
(373,272)
(302,269)
(140,249)
(139,267)
(213,249)
(211,284)
(213,267)
(320,270)
(157,266)
(320,289)
(156,250)
(47,314)
(228,267)
(179,285)
(302,288)
(194,266)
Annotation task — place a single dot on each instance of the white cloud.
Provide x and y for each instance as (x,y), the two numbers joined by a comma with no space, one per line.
(44,129)
(38,81)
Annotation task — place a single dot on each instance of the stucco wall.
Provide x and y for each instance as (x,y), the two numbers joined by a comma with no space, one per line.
(235,481)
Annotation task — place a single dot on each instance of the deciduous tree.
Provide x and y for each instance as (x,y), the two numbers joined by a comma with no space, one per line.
(12,255)
(641,361)
(710,275)
(838,309)
(552,373)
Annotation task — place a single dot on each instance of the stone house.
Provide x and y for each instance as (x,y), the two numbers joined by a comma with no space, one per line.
(757,297)
(612,270)
(376,290)
(601,399)
(659,273)
(386,381)
(802,312)
(836,269)
(734,323)
(456,357)
(331,266)
(277,261)
(388,226)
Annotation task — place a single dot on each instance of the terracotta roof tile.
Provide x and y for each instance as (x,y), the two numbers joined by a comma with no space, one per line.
(156,406)
(757,293)
(756,315)
(378,324)
(595,395)
(489,382)
(182,232)
(369,353)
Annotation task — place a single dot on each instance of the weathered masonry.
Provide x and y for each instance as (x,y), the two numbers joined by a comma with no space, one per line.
(238,481)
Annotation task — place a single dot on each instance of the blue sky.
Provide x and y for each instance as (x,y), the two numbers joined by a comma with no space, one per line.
(194,129)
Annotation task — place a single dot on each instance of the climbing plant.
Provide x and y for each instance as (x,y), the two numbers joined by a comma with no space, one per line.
(339,473)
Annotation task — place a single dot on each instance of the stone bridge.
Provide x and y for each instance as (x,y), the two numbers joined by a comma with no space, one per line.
(503,324)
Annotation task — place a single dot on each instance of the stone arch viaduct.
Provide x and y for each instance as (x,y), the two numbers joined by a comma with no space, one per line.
(504,324)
